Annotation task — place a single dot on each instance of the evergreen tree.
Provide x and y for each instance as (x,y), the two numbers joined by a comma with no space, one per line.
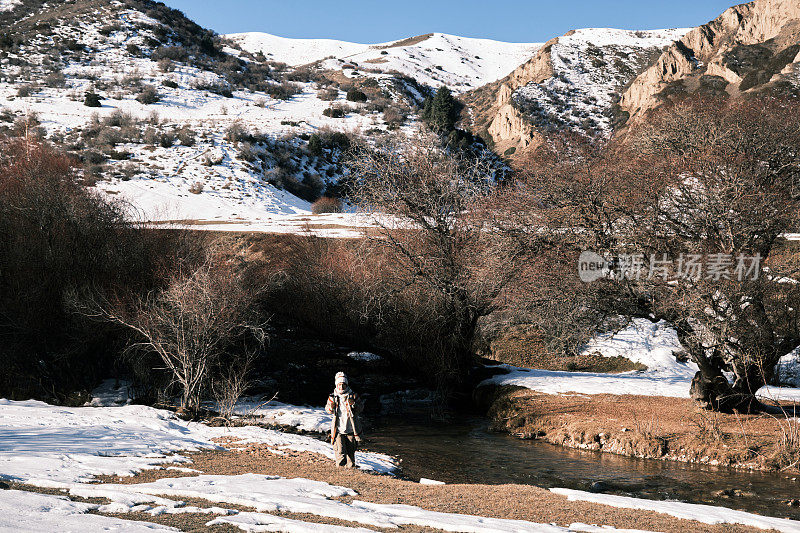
(427,104)
(444,111)
(92,100)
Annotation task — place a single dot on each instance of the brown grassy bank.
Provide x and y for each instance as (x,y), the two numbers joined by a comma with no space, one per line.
(644,426)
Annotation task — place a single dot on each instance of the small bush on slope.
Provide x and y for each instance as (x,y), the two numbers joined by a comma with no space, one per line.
(326,205)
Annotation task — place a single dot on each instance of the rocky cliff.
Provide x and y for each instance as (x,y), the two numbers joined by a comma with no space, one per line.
(572,82)
(748,48)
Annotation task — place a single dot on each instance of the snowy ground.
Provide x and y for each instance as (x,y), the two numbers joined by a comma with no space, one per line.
(707,514)
(313,419)
(30,512)
(43,444)
(64,448)
(642,341)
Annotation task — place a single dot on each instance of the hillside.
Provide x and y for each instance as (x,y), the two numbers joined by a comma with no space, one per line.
(190,125)
(750,48)
(185,125)
(596,80)
(572,82)
(433,59)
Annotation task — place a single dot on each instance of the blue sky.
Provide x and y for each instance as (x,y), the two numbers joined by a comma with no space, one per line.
(505,20)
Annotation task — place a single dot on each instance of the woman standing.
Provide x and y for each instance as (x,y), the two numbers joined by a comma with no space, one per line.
(345,406)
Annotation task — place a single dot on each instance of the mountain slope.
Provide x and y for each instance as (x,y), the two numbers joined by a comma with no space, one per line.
(189,126)
(433,59)
(572,82)
(749,48)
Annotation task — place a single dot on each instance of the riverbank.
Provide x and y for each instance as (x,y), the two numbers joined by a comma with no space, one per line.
(136,468)
(508,502)
(654,427)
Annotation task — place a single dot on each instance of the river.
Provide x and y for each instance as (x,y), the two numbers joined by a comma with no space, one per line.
(463,450)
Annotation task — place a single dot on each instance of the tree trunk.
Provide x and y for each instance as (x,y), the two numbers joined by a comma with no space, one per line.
(717,394)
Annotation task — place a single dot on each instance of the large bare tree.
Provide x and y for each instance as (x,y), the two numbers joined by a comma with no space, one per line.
(447,267)
(691,206)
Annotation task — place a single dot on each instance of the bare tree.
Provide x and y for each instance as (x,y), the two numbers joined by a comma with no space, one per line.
(698,181)
(447,268)
(194,321)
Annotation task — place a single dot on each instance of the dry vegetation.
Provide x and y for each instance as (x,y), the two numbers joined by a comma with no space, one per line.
(644,426)
(518,502)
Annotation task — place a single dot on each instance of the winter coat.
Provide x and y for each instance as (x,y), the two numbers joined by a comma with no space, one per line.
(353,410)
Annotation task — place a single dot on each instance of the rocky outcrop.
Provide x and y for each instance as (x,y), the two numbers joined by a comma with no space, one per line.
(720,48)
(492,107)
(570,83)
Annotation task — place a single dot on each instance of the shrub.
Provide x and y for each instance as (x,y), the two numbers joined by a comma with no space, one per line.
(335,112)
(196,188)
(133,49)
(132,80)
(393,117)
(166,139)
(186,136)
(328,95)
(284,90)
(170,83)
(237,132)
(94,157)
(92,99)
(23,91)
(148,95)
(108,137)
(173,53)
(315,145)
(248,152)
(337,140)
(55,79)
(216,87)
(326,204)
(194,322)
(166,65)
(150,136)
(119,119)
(355,95)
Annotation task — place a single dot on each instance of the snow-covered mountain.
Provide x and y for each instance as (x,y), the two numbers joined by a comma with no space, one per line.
(573,82)
(433,59)
(188,126)
(247,127)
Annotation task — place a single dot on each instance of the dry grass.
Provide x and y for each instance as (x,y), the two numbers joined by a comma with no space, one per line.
(410,41)
(520,347)
(520,502)
(647,426)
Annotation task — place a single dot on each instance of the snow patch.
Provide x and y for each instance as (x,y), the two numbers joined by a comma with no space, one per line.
(43,444)
(366,357)
(313,419)
(642,341)
(110,393)
(275,494)
(8,5)
(707,514)
(28,511)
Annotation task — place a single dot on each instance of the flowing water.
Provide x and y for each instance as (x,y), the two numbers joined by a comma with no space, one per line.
(464,451)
